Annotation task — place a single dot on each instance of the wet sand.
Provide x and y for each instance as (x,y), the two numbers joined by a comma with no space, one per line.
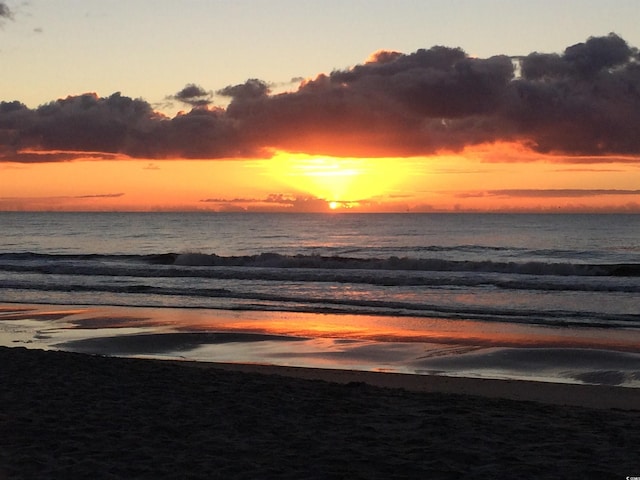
(421,346)
(70,415)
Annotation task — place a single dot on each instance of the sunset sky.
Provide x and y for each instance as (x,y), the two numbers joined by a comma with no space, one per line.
(281,105)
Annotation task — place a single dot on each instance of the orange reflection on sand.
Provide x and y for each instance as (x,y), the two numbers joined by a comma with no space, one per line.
(427,330)
(385,329)
(7,313)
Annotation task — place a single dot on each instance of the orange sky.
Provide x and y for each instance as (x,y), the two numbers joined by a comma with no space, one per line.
(500,177)
(432,130)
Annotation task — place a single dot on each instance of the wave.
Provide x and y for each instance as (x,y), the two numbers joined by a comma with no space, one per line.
(221,298)
(334,284)
(278,261)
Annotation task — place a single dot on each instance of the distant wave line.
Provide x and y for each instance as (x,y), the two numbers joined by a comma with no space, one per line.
(322,304)
(48,263)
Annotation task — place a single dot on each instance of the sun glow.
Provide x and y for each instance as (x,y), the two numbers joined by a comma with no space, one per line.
(342,182)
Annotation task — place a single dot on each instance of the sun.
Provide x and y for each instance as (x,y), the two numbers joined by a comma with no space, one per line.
(342,182)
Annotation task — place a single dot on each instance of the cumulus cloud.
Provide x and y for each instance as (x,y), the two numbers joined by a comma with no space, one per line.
(116,126)
(583,103)
(251,89)
(194,95)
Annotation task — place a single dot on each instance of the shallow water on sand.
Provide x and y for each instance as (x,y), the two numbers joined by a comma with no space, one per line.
(371,343)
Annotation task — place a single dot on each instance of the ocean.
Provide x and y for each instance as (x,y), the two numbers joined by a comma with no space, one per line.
(390,280)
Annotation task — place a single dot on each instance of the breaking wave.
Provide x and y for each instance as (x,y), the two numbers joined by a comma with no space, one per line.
(523,292)
(337,263)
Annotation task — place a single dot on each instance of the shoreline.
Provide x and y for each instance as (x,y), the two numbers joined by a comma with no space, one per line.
(563,394)
(481,353)
(602,397)
(71,415)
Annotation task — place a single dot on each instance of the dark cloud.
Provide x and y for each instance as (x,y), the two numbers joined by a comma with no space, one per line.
(581,60)
(194,95)
(589,169)
(5,12)
(582,104)
(230,200)
(585,101)
(101,195)
(87,125)
(53,156)
(277,198)
(272,202)
(251,89)
(407,105)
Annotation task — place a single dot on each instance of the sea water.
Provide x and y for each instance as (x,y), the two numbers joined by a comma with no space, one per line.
(532,269)
(551,297)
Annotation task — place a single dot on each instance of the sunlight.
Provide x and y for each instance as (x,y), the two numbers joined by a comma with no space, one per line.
(342,182)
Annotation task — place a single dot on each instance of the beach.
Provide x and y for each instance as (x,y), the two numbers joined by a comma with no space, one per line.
(391,240)
(259,346)
(437,348)
(70,415)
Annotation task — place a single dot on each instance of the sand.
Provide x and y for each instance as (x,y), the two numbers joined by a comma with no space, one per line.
(69,415)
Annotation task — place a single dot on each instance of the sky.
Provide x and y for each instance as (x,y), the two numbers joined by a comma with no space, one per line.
(281,105)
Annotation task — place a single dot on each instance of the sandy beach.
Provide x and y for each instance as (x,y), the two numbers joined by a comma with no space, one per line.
(69,415)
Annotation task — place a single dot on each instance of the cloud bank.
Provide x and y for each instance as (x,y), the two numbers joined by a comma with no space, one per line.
(584,102)
(273,202)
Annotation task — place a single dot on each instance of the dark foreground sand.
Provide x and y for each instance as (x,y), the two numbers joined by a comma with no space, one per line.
(72,416)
